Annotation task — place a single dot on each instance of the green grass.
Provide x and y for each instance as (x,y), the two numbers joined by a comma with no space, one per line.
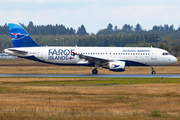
(98,82)
(155,113)
(122,97)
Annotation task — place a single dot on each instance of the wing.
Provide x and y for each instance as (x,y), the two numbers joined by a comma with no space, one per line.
(92,59)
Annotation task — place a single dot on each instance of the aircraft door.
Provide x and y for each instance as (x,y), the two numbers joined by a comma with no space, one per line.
(40,54)
(153,54)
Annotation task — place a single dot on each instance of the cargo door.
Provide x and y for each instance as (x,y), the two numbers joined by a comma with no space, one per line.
(40,53)
(153,54)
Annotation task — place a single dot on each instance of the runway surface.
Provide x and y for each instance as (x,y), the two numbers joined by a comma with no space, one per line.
(98,75)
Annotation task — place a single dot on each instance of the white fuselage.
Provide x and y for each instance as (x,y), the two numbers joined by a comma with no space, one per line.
(132,56)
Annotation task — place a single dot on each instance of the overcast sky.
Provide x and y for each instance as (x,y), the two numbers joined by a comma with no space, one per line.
(93,14)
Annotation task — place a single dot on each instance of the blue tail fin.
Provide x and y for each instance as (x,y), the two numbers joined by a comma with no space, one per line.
(20,37)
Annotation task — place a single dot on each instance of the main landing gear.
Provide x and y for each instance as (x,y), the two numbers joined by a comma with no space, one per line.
(94,71)
(153,71)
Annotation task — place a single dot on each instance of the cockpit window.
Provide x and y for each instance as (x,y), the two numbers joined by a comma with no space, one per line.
(166,54)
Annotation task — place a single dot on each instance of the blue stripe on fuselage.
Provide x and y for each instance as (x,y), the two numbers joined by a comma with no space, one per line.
(36,59)
(128,62)
(133,63)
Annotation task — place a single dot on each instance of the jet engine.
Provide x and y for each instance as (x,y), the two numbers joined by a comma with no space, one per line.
(118,66)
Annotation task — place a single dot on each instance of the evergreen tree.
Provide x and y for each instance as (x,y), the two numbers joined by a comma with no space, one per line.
(30,25)
(81,31)
(110,27)
(138,28)
(115,28)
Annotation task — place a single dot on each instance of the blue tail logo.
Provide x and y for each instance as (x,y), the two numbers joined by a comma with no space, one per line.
(20,37)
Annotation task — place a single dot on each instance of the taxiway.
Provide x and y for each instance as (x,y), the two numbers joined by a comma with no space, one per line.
(98,75)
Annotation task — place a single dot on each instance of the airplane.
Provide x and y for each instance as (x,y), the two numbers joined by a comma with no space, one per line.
(112,58)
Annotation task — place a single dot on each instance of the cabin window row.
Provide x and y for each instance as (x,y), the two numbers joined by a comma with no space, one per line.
(131,53)
(115,53)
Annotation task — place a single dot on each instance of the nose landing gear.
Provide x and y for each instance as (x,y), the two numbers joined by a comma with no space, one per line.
(153,71)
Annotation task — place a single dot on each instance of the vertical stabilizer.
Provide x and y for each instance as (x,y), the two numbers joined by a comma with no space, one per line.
(20,37)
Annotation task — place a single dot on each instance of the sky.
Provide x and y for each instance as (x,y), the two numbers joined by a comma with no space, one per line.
(93,14)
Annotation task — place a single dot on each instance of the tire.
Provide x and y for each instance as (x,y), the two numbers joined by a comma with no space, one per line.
(94,71)
(153,72)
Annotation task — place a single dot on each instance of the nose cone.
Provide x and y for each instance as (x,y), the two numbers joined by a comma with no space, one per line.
(173,60)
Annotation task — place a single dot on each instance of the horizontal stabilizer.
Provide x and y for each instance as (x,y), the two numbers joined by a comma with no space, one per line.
(17,51)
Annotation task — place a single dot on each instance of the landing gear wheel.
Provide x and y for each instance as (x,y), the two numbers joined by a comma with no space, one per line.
(94,71)
(153,72)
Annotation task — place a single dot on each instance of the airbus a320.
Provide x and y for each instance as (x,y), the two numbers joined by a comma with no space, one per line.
(112,58)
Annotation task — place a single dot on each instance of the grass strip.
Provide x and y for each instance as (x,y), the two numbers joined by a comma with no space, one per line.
(90,81)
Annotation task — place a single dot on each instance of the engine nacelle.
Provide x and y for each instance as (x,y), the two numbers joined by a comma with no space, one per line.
(118,66)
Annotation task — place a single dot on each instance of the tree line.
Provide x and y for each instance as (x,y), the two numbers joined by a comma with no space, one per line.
(167,37)
(47,30)
(62,30)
